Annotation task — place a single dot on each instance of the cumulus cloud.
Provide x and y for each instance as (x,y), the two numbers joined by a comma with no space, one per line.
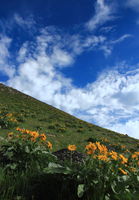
(61,57)
(130,128)
(112,101)
(5,68)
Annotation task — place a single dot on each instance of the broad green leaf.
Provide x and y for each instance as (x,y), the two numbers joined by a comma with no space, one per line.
(107,198)
(80,190)
(56,168)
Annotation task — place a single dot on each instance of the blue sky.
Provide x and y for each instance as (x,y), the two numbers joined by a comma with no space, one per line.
(79,56)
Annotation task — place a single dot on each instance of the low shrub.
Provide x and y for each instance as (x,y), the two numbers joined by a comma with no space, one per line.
(100,174)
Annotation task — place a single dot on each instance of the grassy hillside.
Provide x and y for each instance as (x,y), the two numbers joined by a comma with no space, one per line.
(61,128)
(34,165)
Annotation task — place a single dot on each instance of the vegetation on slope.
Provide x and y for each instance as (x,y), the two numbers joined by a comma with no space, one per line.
(18,109)
(29,171)
(95,164)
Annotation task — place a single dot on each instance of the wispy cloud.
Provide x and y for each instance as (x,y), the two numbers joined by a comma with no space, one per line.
(28,22)
(79,44)
(103,13)
(134,4)
(120,39)
(108,45)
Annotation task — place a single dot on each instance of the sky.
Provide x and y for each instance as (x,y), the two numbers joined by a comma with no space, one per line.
(79,56)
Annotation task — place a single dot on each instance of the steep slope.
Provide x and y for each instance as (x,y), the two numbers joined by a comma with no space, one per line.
(61,128)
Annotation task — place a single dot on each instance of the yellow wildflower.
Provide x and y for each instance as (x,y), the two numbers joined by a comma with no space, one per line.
(102,157)
(127,150)
(123,146)
(27,131)
(71,147)
(123,172)
(124,159)
(91,147)
(10,135)
(18,129)
(49,144)
(103,149)
(43,137)
(114,155)
(135,155)
(133,169)
(34,134)
(9,115)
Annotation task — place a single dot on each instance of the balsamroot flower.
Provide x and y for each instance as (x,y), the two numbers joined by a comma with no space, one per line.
(10,135)
(102,149)
(102,157)
(114,155)
(123,172)
(49,144)
(91,147)
(35,134)
(71,147)
(135,155)
(124,159)
(43,137)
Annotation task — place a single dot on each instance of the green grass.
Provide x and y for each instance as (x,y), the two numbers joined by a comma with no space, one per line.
(61,128)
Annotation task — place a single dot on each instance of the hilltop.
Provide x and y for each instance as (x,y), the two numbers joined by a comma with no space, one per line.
(60,127)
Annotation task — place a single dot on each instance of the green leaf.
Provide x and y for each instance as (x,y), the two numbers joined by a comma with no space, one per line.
(107,197)
(27,149)
(113,187)
(8,154)
(80,190)
(56,168)
(125,177)
(11,166)
(95,181)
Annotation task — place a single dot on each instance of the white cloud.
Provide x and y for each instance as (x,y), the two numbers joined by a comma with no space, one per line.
(93,41)
(120,39)
(4,45)
(5,68)
(24,23)
(103,13)
(79,44)
(111,101)
(37,73)
(108,46)
(108,29)
(134,4)
(61,57)
(131,128)
(22,53)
